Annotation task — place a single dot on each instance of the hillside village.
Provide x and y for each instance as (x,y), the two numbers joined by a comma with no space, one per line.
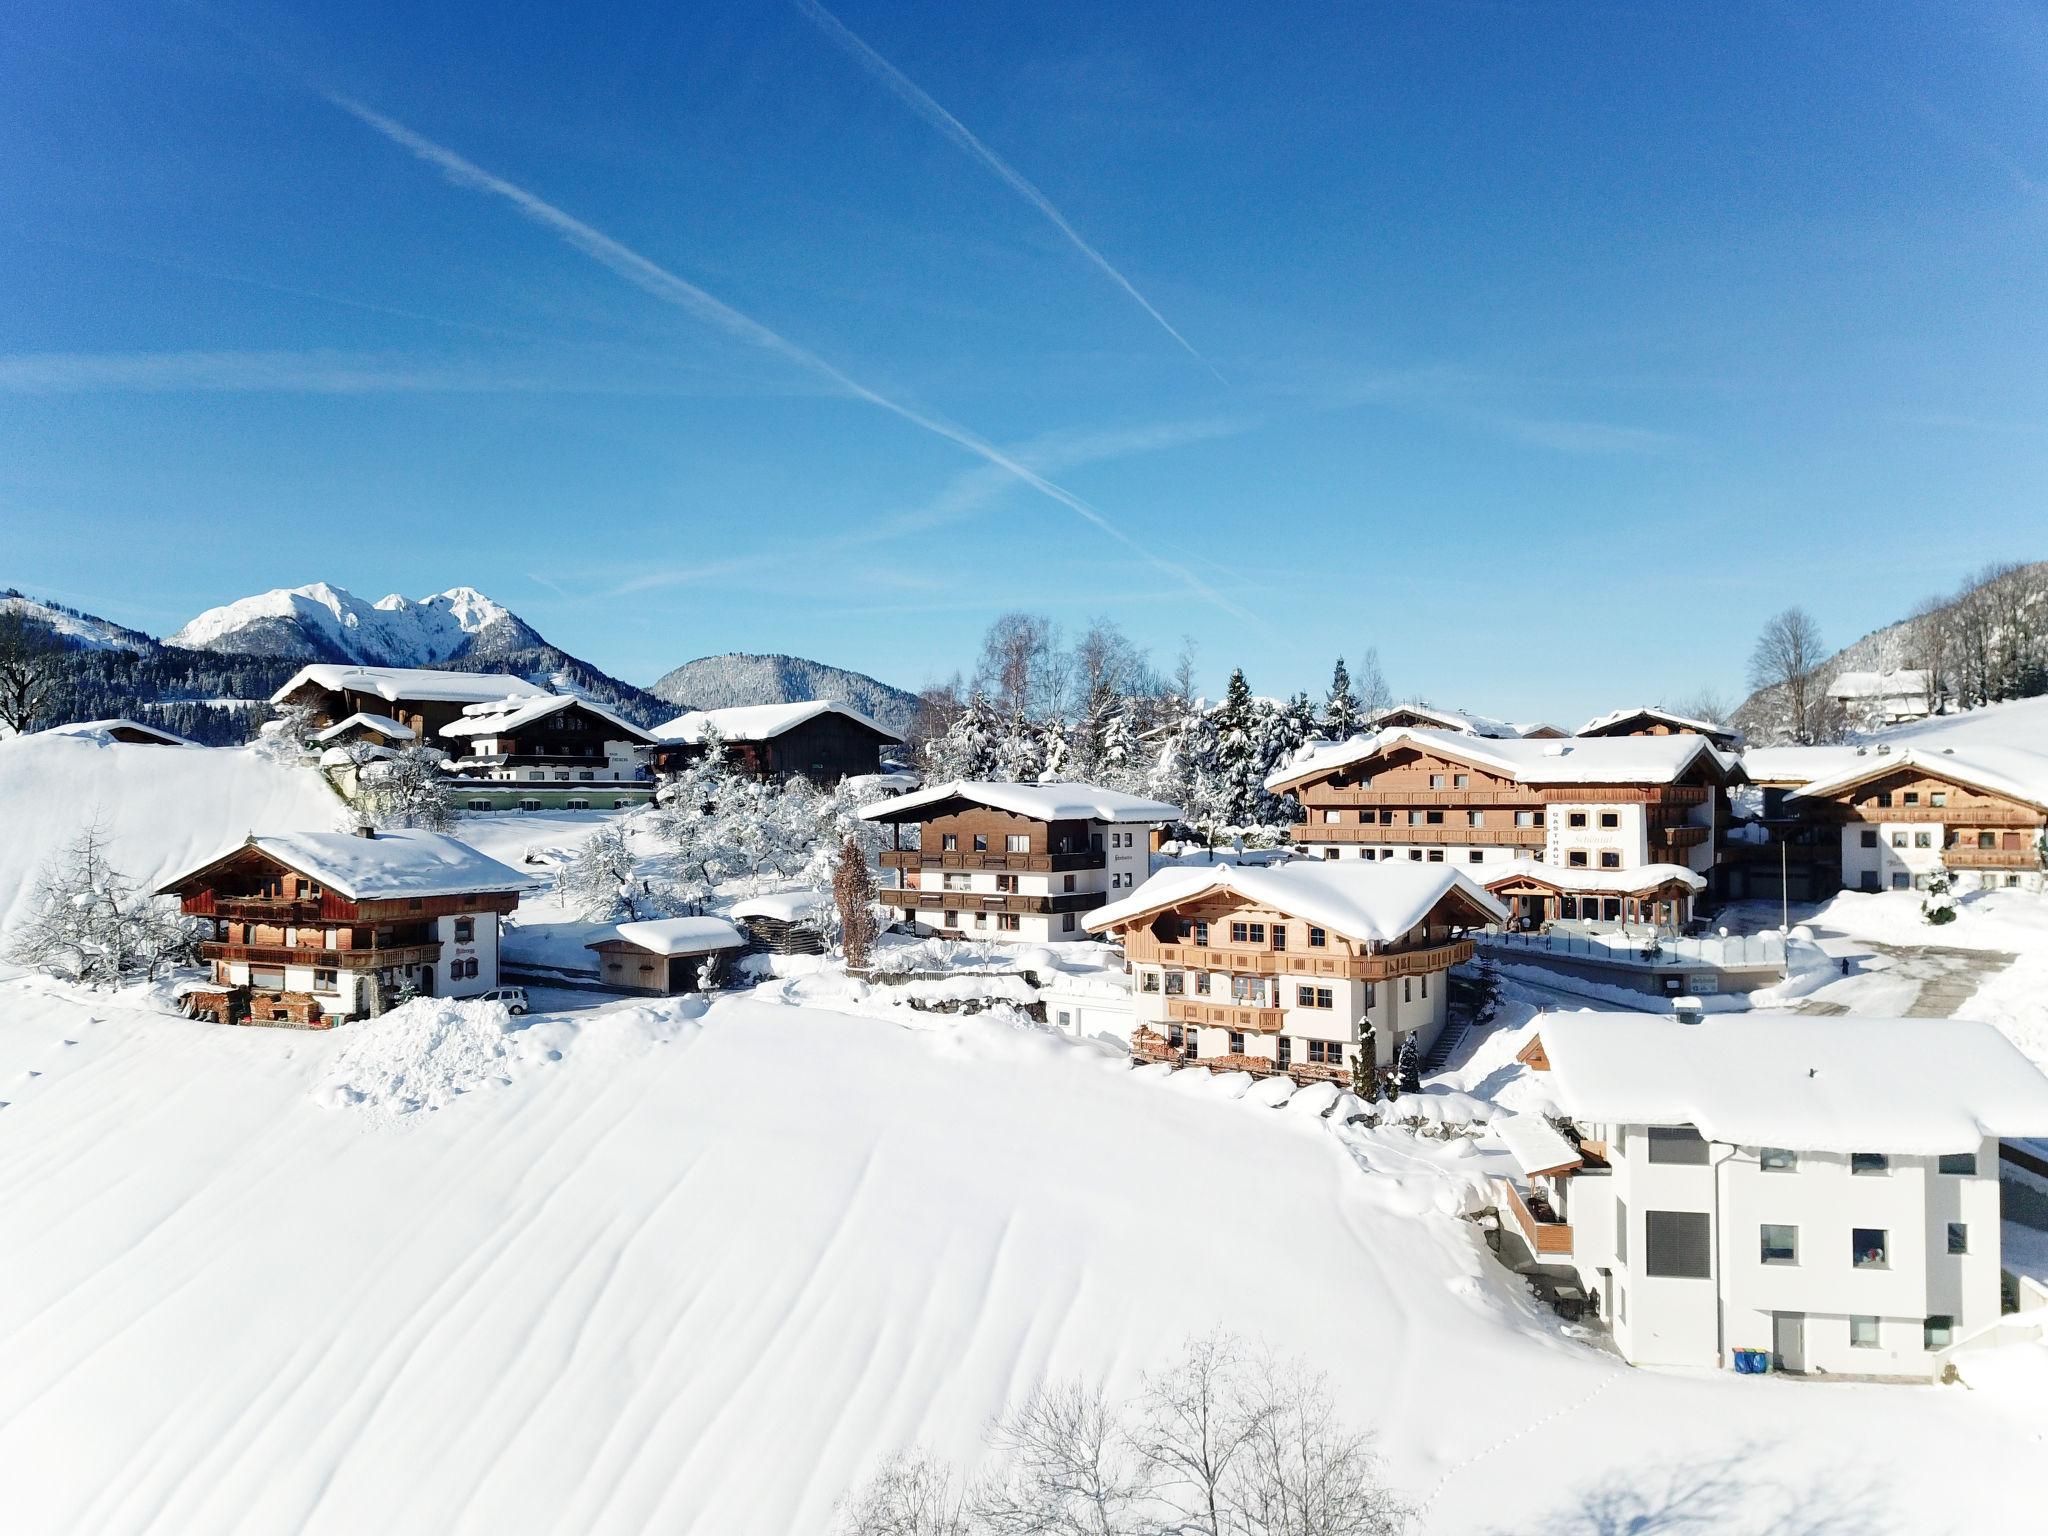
(1665,1053)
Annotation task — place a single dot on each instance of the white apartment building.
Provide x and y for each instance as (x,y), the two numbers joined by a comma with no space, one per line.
(1291,967)
(1015,863)
(1824,1190)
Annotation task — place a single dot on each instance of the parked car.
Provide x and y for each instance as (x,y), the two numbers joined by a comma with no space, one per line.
(514,998)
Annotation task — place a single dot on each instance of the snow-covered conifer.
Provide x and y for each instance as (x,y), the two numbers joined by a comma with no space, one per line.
(1341,712)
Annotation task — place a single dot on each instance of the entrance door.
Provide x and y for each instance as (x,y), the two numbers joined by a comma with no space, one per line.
(1788,1341)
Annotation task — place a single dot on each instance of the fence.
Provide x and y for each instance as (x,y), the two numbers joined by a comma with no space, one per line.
(1746,952)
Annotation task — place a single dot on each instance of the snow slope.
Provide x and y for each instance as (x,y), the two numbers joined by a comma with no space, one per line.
(166,808)
(82,630)
(328,623)
(695,1275)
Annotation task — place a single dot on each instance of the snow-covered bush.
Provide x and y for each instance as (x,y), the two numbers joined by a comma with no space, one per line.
(89,923)
(1940,904)
(602,882)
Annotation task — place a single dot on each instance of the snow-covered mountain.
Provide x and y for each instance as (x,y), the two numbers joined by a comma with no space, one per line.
(722,682)
(84,631)
(328,623)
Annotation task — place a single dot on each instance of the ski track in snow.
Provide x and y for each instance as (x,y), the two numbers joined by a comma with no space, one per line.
(697,1275)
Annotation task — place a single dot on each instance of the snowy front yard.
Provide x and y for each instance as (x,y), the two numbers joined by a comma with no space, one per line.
(660,1271)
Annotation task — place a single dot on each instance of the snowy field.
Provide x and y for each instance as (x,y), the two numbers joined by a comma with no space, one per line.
(655,1271)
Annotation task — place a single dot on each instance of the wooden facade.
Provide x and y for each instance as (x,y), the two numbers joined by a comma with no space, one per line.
(937,874)
(331,706)
(1980,829)
(826,749)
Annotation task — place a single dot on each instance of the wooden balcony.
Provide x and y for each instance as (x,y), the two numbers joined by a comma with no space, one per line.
(1225,1015)
(1322,797)
(263,909)
(1304,963)
(1625,794)
(1683,836)
(1402,834)
(1991,858)
(1953,815)
(329,959)
(1038,863)
(1546,1239)
(916,900)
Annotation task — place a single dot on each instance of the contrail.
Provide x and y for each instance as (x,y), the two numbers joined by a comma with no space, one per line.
(949,125)
(665,285)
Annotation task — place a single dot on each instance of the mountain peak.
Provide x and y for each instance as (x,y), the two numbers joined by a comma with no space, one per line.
(323,622)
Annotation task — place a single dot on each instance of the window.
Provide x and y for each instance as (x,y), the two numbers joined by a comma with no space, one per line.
(1017,842)
(1884,797)
(1610,818)
(949,842)
(1461,781)
(1279,935)
(1201,930)
(1525,818)
(1066,922)
(1957,1162)
(1432,818)
(324,980)
(955,880)
(1407,989)
(1201,983)
(1314,997)
(1777,1159)
(1863,1332)
(981,842)
(1415,818)
(1176,983)
(1010,922)
(1620,1232)
(1898,839)
(1780,1244)
(1318,939)
(1869,1162)
(1575,819)
(1415,855)
(1675,1245)
(1436,781)
(1576,858)
(1987,839)
(1475,857)
(952,917)
(479,805)
(1958,1237)
(1475,818)
(1436,855)
(1007,884)
(1868,1248)
(1283,1052)
(1236,1043)
(465,930)
(1923,839)
(1937,1332)
(1609,859)
(1069,885)
(1326,1053)
(1332,818)
(1148,981)
(1372,994)
(1869,837)
(1939,797)
(1425,983)
(1676,1144)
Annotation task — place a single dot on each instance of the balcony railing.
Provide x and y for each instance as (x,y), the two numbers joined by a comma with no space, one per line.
(914,899)
(327,959)
(1546,1239)
(1237,1016)
(1322,795)
(1401,832)
(1299,962)
(914,858)
(262,909)
(1684,836)
(1954,815)
(1991,858)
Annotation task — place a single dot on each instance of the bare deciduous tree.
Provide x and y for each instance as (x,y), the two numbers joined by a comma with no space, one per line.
(1370,683)
(1303,1471)
(1194,1424)
(1787,658)
(910,1495)
(406,789)
(31,665)
(1708,704)
(1016,663)
(1068,1470)
(88,923)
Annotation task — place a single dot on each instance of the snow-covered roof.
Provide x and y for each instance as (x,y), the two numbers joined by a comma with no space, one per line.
(405,862)
(1618,881)
(1850,1084)
(1369,902)
(104,730)
(1567,760)
(383,725)
(1458,720)
(1614,717)
(1907,683)
(498,715)
(783,906)
(394,683)
(1795,765)
(678,935)
(759,722)
(1535,1144)
(2010,771)
(1039,802)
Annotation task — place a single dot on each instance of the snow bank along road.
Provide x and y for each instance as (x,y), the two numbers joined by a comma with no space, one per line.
(660,1273)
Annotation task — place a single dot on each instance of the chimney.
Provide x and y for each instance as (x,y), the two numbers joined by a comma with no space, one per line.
(365,829)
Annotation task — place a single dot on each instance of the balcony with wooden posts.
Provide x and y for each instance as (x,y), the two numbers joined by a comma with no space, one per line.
(1035,863)
(1963,815)
(1402,832)
(914,899)
(1683,835)
(1964,856)
(323,959)
(1141,947)
(1547,1237)
(1327,796)
(1625,794)
(1242,1017)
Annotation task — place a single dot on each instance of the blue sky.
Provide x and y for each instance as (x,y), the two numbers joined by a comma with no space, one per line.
(1547,348)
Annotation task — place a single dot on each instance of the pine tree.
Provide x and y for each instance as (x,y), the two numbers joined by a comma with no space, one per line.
(1117,764)
(1056,754)
(1365,1065)
(1408,1066)
(967,749)
(1237,754)
(1341,711)
(1019,757)
(853,891)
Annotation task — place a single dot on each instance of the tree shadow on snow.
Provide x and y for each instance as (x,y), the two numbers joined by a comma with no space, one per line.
(1727,1495)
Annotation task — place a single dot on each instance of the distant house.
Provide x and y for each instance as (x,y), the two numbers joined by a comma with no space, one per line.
(548,752)
(665,956)
(1289,967)
(1874,699)
(1821,1191)
(131,733)
(816,739)
(1016,863)
(1651,720)
(362,729)
(311,927)
(1429,718)
(1536,893)
(421,698)
(1979,813)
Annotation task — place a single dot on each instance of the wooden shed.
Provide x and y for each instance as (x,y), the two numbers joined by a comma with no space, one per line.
(662,956)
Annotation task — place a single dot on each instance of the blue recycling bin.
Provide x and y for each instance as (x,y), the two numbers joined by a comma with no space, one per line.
(1752,1362)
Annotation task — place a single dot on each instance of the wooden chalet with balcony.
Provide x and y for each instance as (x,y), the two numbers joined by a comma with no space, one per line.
(1652,720)
(1598,805)
(1294,967)
(309,928)
(1976,814)
(1016,863)
(549,752)
(815,739)
(423,699)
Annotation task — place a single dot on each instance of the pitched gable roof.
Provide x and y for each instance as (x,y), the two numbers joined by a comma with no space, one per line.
(1370,903)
